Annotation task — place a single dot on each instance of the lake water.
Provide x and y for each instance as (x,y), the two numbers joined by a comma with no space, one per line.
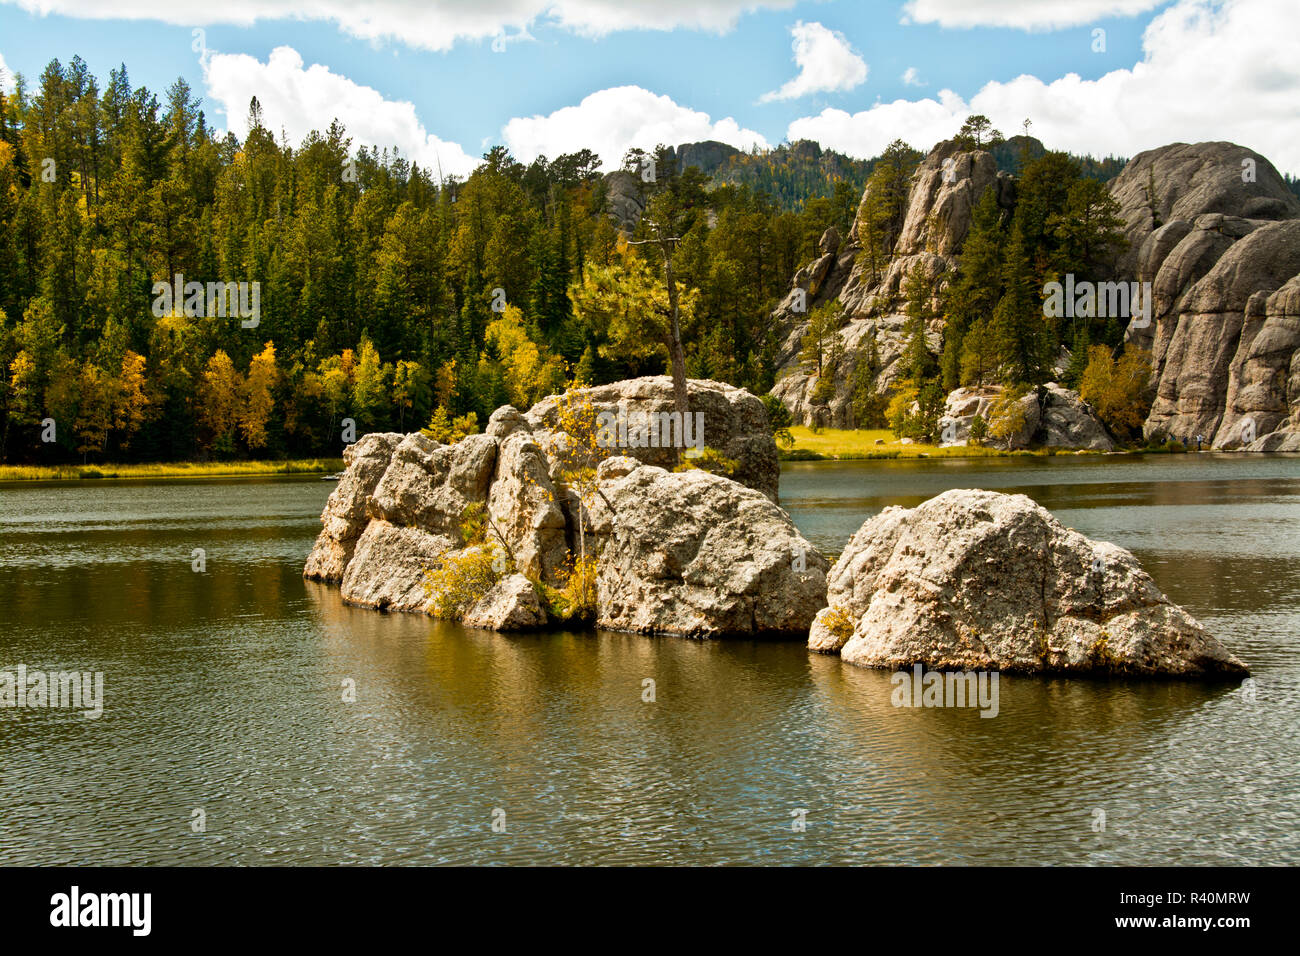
(224,694)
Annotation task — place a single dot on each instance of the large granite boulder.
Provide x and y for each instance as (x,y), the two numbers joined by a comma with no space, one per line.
(344,518)
(387,570)
(1183,181)
(695,554)
(1069,422)
(429,485)
(416,513)
(1057,418)
(526,507)
(734,422)
(977,580)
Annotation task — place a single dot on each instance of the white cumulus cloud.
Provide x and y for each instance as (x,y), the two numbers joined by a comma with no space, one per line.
(300,100)
(826,63)
(1211,70)
(911,78)
(1021,14)
(609,122)
(425,24)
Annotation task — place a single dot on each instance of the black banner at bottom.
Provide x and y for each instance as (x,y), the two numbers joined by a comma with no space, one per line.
(1170,906)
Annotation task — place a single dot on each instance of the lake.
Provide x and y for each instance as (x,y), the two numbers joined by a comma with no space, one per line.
(226,739)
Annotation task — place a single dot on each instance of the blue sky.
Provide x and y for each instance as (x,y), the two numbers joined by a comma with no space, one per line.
(611,75)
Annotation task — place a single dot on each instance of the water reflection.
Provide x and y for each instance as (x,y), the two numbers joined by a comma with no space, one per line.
(226,692)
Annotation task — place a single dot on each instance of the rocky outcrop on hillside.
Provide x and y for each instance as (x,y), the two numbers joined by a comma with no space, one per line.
(945,188)
(687,552)
(1210,379)
(1187,208)
(624,200)
(707,156)
(625,191)
(1182,181)
(977,580)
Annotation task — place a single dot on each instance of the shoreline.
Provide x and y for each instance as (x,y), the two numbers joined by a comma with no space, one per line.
(840,444)
(177,469)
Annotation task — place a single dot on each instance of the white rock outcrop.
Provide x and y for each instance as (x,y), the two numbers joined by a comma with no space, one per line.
(696,554)
(977,580)
(689,552)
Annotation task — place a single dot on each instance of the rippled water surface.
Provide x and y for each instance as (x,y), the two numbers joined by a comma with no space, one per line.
(224,694)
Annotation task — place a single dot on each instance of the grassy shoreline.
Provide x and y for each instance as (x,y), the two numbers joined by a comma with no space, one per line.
(837,444)
(176,469)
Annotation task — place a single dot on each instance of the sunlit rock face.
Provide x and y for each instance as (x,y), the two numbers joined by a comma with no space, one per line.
(977,580)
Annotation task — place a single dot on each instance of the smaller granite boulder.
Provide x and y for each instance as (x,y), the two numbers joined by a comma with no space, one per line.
(977,580)
(511,605)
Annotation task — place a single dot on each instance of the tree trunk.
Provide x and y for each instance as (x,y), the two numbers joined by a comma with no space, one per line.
(675,353)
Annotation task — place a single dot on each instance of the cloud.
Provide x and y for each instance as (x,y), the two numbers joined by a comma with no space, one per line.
(1020,14)
(7,84)
(826,63)
(426,24)
(611,121)
(911,78)
(1210,70)
(300,100)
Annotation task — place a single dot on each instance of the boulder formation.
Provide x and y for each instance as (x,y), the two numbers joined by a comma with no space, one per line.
(1209,377)
(1210,225)
(511,605)
(345,512)
(688,552)
(1054,417)
(1269,380)
(1214,228)
(977,580)
(1181,181)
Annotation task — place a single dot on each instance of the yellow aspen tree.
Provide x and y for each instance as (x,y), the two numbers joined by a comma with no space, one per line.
(94,410)
(258,400)
(219,400)
(130,401)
